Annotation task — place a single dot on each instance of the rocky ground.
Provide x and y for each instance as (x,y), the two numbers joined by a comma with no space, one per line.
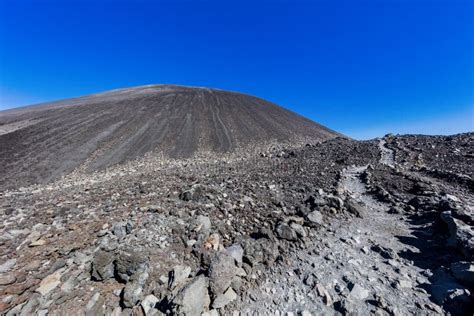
(341,227)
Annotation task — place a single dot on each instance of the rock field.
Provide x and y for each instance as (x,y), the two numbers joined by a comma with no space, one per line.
(339,227)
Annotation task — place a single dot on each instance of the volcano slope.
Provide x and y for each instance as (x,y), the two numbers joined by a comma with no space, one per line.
(340,227)
(41,143)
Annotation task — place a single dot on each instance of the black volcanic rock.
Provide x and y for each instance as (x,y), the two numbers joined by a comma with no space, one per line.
(41,143)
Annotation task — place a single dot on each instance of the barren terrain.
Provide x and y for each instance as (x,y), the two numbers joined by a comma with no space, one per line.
(324,226)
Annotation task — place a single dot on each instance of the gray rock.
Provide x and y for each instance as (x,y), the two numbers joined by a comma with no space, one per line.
(178,276)
(259,251)
(136,276)
(461,234)
(300,230)
(354,207)
(202,224)
(132,293)
(358,292)
(119,230)
(7,279)
(102,266)
(315,218)
(237,252)
(224,299)
(30,307)
(284,231)
(193,298)
(95,306)
(221,272)
(7,265)
(128,262)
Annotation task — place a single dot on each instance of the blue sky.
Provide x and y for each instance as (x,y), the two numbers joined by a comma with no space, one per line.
(364,68)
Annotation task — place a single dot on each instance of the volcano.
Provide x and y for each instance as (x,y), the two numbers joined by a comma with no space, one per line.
(39,143)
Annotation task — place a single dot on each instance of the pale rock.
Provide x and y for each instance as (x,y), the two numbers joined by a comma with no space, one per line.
(224,299)
(50,282)
(149,303)
(237,252)
(179,275)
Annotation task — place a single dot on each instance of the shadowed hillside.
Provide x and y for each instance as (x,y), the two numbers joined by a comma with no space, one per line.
(40,143)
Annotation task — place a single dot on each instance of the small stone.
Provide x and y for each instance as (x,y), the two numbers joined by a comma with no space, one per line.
(237,252)
(224,299)
(212,242)
(95,306)
(149,303)
(358,292)
(7,265)
(300,230)
(202,224)
(315,217)
(324,294)
(39,242)
(7,279)
(179,275)
(284,231)
(120,230)
(50,282)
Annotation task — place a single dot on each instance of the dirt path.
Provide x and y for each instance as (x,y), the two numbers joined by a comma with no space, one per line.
(348,266)
(387,154)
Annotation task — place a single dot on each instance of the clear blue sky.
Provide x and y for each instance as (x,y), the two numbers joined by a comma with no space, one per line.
(361,67)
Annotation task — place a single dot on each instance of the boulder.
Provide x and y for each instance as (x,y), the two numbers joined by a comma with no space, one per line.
(102,266)
(461,235)
(221,272)
(193,299)
(128,262)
